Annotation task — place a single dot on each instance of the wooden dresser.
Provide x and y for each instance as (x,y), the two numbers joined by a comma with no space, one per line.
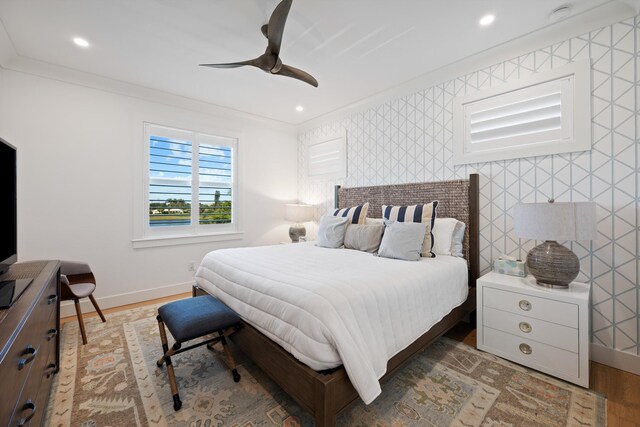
(29,344)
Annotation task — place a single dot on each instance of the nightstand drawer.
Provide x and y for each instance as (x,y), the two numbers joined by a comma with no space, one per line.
(532,329)
(541,356)
(549,310)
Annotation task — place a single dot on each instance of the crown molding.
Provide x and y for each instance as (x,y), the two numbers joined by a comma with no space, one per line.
(41,69)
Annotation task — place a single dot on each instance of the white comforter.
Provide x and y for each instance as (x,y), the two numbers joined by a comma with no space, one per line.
(329,307)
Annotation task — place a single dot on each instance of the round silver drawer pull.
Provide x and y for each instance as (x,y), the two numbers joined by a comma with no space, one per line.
(525,327)
(525,348)
(525,305)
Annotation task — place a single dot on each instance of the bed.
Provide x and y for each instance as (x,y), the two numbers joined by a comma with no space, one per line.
(305,329)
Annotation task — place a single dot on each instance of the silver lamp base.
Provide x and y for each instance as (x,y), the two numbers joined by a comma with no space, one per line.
(553,265)
(296,231)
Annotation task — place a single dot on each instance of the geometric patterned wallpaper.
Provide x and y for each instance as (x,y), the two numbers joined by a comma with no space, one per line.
(409,139)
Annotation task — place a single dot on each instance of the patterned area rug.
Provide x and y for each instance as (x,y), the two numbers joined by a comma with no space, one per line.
(114,381)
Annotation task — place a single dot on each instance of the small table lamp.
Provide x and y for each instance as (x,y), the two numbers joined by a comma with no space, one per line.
(552,264)
(298,214)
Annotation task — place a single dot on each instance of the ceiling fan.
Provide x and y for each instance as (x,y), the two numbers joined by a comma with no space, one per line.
(270,61)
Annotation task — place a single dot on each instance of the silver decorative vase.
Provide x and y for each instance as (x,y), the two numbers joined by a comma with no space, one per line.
(296,231)
(553,265)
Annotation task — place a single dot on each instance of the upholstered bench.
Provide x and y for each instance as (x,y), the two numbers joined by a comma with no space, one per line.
(190,319)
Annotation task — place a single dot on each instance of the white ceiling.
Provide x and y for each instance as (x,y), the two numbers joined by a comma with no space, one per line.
(355,48)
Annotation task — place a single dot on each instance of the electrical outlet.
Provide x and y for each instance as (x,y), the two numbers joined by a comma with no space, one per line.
(191,266)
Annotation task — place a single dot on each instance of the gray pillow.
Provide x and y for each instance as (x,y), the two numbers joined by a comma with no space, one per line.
(364,238)
(403,240)
(331,231)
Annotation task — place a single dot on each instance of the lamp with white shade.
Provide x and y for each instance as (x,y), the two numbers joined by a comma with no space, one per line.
(298,214)
(552,264)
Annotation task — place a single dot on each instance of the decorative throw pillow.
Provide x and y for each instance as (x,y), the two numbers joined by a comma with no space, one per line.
(443,235)
(374,221)
(458,238)
(356,214)
(331,231)
(415,213)
(364,238)
(403,240)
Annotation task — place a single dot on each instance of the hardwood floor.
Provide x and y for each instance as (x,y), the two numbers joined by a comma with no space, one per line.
(621,388)
(127,307)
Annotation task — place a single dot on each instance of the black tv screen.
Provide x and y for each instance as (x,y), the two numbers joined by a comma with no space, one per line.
(8,212)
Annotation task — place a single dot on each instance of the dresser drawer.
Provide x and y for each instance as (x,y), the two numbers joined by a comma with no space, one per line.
(28,348)
(532,329)
(542,357)
(549,310)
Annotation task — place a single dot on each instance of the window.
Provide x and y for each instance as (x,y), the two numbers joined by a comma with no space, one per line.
(190,186)
(328,157)
(547,113)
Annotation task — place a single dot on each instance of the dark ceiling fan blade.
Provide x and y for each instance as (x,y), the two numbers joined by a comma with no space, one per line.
(296,73)
(275,28)
(253,62)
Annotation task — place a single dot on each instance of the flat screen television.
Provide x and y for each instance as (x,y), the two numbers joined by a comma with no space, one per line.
(9,210)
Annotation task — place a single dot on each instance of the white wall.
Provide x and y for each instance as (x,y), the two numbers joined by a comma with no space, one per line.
(76,172)
(409,138)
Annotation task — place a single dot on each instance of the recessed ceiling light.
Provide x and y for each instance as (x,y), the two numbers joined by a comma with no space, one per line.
(487,20)
(299,108)
(79,41)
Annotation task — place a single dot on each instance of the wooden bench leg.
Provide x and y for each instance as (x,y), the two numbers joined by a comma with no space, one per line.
(230,360)
(80,321)
(166,357)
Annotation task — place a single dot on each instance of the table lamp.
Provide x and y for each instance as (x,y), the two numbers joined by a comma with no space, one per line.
(298,214)
(552,264)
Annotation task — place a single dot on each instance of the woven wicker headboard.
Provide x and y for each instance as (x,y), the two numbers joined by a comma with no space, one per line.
(457,199)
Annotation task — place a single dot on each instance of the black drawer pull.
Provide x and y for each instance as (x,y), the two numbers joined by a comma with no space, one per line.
(52,299)
(51,369)
(31,352)
(28,406)
(51,334)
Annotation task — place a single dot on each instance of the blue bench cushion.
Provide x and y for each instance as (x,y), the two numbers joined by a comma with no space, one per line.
(194,317)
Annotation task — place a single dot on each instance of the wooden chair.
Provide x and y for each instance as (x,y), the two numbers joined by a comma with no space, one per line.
(77,282)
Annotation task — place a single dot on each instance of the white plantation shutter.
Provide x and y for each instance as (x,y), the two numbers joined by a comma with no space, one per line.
(190,186)
(543,114)
(328,157)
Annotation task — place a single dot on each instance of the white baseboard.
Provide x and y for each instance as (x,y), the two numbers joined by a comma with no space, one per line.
(615,358)
(67,308)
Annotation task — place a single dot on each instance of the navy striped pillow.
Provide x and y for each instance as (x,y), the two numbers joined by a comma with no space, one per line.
(415,213)
(356,214)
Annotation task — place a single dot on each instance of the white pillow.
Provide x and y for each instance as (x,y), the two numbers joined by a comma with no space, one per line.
(443,235)
(331,231)
(458,237)
(374,221)
(448,234)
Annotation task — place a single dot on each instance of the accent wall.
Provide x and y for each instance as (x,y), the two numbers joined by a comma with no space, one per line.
(409,139)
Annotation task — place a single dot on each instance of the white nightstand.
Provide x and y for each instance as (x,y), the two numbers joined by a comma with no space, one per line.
(541,328)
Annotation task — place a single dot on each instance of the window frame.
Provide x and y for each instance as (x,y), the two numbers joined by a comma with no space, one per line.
(576,117)
(147,236)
